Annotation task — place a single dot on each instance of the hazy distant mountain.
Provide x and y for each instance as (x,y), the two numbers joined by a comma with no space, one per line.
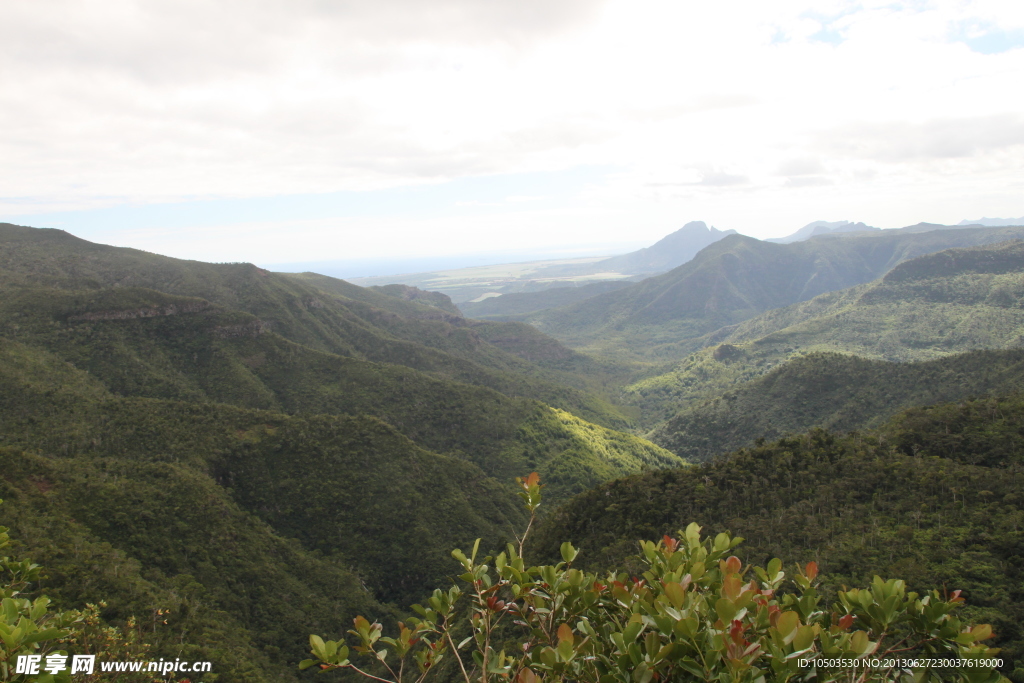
(669,252)
(821,228)
(994,222)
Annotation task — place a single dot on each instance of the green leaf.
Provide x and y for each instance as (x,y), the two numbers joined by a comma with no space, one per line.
(568,552)
(787,623)
(317,643)
(804,637)
(633,630)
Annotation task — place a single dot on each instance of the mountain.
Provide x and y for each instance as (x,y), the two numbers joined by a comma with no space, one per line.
(943,302)
(735,279)
(821,228)
(934,497)
(247,526)
(994,222)
(669,252)
(435,299)
(237,458)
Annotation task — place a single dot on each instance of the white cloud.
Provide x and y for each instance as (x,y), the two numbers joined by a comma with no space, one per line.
(902,141)
(131,101)
(801,167)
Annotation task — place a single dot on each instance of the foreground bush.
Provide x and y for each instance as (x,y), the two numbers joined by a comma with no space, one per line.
(696,614)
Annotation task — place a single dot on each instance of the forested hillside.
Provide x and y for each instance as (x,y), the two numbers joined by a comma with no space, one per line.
(836,392)
(323,314)
(936,497)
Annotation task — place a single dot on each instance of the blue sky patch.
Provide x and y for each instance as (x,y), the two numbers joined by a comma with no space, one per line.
(987,39)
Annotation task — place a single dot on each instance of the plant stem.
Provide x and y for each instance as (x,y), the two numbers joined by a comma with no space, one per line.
(457,657)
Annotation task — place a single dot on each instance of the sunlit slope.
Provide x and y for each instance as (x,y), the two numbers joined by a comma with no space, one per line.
(734,280)
(321,313)
(586,454)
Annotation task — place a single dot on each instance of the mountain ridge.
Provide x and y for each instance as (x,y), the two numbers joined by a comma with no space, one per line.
(735,279)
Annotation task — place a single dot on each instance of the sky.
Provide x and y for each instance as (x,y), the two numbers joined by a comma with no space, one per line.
(284,131)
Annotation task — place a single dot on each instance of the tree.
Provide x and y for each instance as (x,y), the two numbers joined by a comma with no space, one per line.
(696,614)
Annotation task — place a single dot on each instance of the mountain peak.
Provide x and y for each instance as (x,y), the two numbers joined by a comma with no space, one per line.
(670,251)
(690,231)
(821,228)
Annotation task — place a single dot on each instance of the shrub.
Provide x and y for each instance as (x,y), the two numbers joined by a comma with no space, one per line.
(696,613)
